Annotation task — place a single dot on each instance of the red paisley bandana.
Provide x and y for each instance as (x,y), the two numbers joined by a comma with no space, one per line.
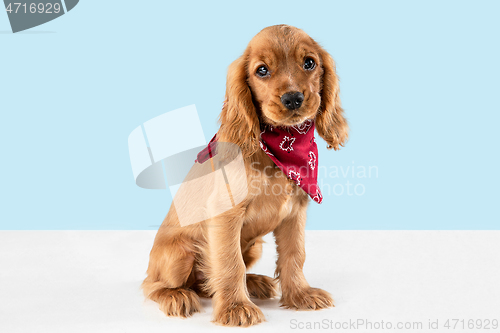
(293,149)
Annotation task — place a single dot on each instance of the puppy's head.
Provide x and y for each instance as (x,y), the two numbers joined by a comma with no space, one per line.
(283,78)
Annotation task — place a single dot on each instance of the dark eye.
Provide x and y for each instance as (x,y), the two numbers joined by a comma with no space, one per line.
(309,64)
(262,71)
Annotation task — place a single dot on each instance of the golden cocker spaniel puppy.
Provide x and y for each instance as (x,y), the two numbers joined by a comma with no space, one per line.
(283,79)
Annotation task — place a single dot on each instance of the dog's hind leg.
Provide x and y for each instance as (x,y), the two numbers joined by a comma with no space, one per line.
(171,264)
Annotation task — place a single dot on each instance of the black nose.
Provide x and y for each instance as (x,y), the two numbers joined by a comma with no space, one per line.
(292,100)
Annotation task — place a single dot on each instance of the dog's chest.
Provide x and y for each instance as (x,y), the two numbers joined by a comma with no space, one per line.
(287,207)
(275,202)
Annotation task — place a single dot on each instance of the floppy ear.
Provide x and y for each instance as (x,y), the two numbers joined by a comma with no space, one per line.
(238,119)
(330,122)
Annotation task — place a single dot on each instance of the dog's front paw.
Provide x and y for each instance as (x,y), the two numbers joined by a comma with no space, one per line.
(309,299)
(239,314)
(261,286)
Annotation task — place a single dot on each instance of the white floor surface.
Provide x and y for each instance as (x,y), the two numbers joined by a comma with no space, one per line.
(89,281)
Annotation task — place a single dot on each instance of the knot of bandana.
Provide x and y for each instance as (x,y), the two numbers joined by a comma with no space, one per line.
(293,149)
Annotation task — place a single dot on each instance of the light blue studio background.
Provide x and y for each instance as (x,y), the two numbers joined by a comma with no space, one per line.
(419,84)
